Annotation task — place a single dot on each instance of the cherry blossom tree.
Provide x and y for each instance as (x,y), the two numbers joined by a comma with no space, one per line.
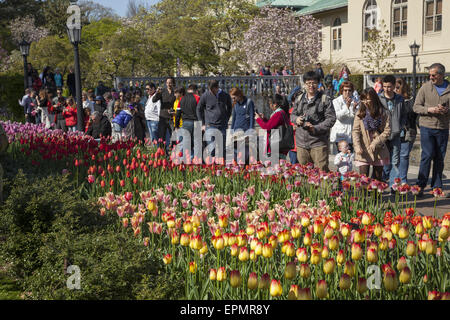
(267,39)
(25,29)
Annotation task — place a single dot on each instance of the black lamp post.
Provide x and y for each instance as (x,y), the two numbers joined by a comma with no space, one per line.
(292,47)
(74,33)
(414,52)
(25,50)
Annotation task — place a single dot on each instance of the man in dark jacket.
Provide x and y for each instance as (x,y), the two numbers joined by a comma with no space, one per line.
(167,97)
(188,112)
(100,126)
(214,110)
(395,105)
(319,71)
(314,115)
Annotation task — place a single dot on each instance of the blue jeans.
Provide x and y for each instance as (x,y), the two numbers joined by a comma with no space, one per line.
(434,146)
(391,171)
(293,157)
(152,126)
(405,150)
(211,144)
(189,126)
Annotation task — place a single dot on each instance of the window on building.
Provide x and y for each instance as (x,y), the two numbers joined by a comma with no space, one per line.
(336,34)
(433,15)
(370,17)
(399,18)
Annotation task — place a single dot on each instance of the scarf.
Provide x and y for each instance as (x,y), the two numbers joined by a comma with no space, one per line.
(370,123)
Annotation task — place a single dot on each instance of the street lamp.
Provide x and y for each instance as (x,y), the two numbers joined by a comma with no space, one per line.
(74,33)
(292,47)
(25,50)
(414,52)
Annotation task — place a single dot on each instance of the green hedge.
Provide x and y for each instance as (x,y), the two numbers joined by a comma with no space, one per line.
(11,90)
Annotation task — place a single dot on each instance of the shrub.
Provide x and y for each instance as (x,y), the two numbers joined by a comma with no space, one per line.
(11,90)
(358,81)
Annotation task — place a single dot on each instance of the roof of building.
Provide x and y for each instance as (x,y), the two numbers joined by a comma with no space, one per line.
(321,6)
(286,3)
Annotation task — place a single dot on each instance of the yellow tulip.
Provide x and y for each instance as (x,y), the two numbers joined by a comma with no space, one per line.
(318,227)
(235,278)
(321,289)
(234,250)
(253,255)
(267,250)
(302,255)
(293,292)
(305,271)
(419,228)
(290,271)
(405,275)
(384,244)
(361,287)
(378,230)
(315,257)
(427,222)
(258,249)
(296,231)
(350,268)
(411,249)
(192,267)
(345,230)
(325,252)
(356,252)
(345,282)
(212,274)
(221,274)
(444,233)
(204,248)
(264,282)
(340,258)
(305,221)
(333,243)
(372,255)
(252,282)
(390,281)
(275,288)
(290,249)
(395,227)
(184,240)
(307,239)
(328,232)
(167,259)
(243,254)
(329,266)
(401,263)
(304,294)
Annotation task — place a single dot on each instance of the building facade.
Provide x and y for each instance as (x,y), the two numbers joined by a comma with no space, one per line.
(345,24)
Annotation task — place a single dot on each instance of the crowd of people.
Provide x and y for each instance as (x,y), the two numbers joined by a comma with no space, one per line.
(376,128)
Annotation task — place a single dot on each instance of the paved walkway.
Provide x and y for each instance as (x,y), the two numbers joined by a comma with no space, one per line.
(424,206)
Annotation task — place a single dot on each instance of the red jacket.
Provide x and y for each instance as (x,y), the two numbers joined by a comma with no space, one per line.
(274,122)
(70,116)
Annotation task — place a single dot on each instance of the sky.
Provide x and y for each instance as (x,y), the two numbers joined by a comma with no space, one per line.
(120,6)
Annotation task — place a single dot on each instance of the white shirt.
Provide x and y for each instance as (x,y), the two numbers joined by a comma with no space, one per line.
(342,129)
(152,109)
(344,162)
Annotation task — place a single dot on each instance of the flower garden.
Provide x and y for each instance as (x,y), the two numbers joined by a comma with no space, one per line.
(251,232)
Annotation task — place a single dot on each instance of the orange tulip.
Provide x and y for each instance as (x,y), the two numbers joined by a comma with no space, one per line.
(192,267)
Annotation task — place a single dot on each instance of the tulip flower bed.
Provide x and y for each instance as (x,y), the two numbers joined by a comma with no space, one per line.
(259,231)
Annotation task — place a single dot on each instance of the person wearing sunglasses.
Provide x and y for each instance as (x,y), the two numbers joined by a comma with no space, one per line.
(432,104)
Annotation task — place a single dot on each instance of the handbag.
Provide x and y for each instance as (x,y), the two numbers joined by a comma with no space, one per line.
(287,137)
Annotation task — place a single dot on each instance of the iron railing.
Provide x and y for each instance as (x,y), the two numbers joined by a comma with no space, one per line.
(250,85)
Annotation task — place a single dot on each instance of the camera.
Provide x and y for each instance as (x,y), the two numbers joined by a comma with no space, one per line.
(305,120)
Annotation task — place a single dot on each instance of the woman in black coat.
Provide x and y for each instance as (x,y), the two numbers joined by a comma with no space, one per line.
(140,125)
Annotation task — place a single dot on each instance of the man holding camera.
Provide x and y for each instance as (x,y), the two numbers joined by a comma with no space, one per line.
(314,116)
(432,104)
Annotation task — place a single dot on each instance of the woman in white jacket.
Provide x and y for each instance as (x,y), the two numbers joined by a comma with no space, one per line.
(151,111)
(345,107)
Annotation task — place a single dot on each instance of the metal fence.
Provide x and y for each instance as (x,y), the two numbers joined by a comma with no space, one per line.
(250,85)
(421,78)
